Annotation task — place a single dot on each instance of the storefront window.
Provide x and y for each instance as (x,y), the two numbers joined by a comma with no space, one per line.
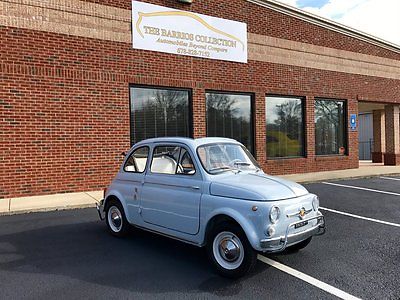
(284,126)
(157,112)
(229,115)
(330,134)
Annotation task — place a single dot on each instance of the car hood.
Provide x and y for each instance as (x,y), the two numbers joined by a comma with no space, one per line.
(255,186)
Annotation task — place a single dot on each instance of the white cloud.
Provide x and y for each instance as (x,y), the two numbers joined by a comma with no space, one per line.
(377,17)
(290,2)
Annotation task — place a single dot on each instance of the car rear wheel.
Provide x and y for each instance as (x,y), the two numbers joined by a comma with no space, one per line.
(230,252)
(115,219)
(299,246)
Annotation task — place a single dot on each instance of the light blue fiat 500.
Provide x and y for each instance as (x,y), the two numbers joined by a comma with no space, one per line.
(210,192)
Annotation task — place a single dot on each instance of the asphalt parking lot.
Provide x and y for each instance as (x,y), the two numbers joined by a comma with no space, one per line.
(69,254)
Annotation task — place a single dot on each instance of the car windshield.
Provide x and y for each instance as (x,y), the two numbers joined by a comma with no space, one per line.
(222,157)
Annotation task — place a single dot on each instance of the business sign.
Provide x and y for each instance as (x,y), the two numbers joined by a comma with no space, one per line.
(180,32)
(353,121)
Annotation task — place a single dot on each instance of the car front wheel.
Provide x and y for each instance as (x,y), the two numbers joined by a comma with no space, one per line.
(230,251)
(116,220)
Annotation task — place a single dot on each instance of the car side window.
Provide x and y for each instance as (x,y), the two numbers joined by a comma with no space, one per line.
(165,159)
(185,165)
(172,160)
(137,160)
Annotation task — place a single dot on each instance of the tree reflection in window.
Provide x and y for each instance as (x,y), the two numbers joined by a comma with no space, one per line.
(229,115)
(284,127)
(159,112)
(330,135)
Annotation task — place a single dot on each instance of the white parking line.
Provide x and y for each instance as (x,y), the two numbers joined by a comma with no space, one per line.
(360,217)
(390,178)
(311,280)
(361,188)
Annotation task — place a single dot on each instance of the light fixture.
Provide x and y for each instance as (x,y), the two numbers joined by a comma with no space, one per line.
(274,214)
(186,1)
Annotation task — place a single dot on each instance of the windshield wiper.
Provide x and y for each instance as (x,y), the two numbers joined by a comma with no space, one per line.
(241,163)
(224,168)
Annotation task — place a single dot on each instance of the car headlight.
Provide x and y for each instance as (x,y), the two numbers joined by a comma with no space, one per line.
(315,203)
(274,214)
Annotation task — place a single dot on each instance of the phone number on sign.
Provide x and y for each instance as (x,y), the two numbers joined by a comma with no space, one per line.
(193,52)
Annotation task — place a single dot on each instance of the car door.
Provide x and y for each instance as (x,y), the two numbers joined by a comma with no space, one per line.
(172,190)
(132,179)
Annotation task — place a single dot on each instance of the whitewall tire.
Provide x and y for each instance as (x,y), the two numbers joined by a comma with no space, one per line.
(229,250)
(115,218)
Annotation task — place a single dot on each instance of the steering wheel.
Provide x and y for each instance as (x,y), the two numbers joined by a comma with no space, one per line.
(234,161)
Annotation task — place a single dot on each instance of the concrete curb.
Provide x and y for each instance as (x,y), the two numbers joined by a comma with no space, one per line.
(88,199)
(306,181)
(362,172)
(47,209)
(53,202)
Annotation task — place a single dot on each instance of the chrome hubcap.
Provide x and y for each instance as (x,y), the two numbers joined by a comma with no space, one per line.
(115,219)
(228,250)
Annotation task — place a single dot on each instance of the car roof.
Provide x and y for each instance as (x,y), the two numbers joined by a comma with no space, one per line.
(193,143)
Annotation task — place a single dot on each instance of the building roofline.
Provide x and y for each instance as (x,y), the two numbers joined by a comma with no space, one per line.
(326,23)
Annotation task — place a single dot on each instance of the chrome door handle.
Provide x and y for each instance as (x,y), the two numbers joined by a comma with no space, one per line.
(195,187)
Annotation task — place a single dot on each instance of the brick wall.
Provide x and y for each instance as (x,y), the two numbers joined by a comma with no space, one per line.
(64,100)
(267,22)
(392,135)
(379,136)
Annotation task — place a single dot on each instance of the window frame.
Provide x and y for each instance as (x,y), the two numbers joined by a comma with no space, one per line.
(345,127)
(252,113)
(303,100)
(131,153)
(159,87)
(179,157)
(180,160)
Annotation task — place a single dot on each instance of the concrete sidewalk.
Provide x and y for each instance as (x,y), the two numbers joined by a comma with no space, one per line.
(50,202)
(89,199)
(366,169)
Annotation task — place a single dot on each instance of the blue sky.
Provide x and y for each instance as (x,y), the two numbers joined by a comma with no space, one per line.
(380,18)
(311,3)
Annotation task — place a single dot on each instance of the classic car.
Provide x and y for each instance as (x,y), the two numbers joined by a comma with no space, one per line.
(210,192)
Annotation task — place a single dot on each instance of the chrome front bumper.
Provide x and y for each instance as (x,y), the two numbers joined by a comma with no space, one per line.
(100,209)
(280,243)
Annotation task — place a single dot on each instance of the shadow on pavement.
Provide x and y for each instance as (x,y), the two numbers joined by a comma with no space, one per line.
(142,262)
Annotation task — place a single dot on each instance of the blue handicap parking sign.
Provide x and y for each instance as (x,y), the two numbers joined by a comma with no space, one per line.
(353,121)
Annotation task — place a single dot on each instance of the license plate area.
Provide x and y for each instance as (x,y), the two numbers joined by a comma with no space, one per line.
(301,224)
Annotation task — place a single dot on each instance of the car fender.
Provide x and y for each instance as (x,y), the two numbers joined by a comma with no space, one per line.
(246,226)
(115,193)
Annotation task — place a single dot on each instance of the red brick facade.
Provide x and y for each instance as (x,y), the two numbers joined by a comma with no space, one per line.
(64,100)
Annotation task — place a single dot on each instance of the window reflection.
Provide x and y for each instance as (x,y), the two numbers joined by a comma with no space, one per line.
(329,127)
(285,128)
(230,116)
(158,112)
